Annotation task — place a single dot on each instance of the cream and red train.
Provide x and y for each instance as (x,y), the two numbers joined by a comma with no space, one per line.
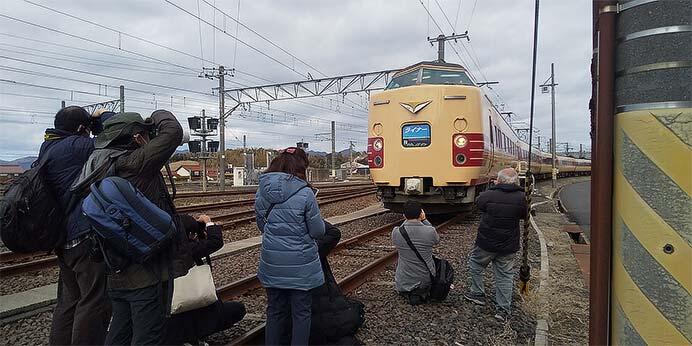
(434,136)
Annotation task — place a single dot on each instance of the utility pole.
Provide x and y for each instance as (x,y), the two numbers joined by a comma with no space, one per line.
(350,158)
(544,89)
(222,130)
(539,143)
(62,104)
(440,39)
(333,150)
(122,99)
(220,73)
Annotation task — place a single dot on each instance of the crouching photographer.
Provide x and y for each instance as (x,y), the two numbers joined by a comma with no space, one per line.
(194,316)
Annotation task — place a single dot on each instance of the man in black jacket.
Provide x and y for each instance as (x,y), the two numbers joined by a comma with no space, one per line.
(136,150)
(82,310)
(503,205)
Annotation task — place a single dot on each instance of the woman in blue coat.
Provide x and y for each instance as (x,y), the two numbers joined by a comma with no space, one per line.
(290,221)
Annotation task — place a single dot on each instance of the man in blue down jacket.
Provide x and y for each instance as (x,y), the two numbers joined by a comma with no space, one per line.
(82,311)
(289,263)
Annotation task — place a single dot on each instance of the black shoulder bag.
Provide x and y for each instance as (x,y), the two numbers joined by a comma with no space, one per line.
(441,282)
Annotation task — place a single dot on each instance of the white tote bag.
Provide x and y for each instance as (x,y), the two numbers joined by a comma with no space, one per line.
(194,290)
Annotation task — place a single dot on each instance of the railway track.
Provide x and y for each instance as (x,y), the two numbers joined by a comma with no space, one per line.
(12,263)
(348,284)
(251,201)
(252,190)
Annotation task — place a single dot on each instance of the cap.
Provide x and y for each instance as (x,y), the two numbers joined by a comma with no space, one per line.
(121,125)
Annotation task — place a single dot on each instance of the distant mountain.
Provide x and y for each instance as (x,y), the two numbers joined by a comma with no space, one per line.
(317,153)
(24,162)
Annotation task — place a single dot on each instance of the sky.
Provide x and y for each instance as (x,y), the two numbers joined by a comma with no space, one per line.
(49,53)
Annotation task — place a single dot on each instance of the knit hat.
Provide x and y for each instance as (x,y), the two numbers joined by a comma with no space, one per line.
(119,126)
(69,118)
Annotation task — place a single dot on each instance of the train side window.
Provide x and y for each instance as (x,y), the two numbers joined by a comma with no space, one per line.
(492,139)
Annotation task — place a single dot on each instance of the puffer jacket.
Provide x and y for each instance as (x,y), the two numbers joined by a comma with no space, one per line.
(289,257)
(502,206)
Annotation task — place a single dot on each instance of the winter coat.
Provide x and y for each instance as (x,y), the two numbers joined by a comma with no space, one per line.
(67,153)
(411,273)
(141,166)
(502,207)
(289,258)
(190,252)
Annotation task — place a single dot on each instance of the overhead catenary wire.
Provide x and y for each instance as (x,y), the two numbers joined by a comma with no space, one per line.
(239,23)
(105,76)
(92,41)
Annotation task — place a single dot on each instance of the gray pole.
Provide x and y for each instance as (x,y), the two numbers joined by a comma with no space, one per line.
(222,132)
(62,104)
(441,48)
(350,158)
(122,99)
(204,151)
(333,150)
(552,95)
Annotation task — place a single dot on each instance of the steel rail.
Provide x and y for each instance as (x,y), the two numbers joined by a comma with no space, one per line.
(12,269)
(348,284)
(251,212)
(253,189)
(251,201)
(239,287)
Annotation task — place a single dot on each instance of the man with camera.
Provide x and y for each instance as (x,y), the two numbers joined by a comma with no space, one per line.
(412,276)
(136,149)
(82,310)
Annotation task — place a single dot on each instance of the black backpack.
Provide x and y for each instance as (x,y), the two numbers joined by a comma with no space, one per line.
(31,218)
(441,282)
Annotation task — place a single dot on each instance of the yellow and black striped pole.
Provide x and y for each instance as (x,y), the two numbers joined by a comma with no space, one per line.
(651,263)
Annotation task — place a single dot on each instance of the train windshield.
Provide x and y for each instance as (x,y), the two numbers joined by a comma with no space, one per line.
(404,80)
(431,76)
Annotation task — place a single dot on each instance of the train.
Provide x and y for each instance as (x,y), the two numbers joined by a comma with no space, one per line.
(436,137)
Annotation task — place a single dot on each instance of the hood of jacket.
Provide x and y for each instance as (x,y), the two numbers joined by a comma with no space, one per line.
(277,187)
(56,134)
(507,187)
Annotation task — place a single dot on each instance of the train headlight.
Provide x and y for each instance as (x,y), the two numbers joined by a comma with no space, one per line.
(460,141)
(377,145)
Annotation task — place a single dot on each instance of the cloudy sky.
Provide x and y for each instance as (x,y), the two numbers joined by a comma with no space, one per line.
(49,53)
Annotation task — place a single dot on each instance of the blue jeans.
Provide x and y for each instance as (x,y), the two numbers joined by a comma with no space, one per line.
(285,304)
(503,266)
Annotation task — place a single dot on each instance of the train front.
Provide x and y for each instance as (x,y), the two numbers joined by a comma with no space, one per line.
(425,138)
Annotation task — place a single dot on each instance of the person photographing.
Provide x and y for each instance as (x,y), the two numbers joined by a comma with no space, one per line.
(413,277)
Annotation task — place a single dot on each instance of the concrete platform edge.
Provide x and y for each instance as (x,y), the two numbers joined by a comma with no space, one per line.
(541,338)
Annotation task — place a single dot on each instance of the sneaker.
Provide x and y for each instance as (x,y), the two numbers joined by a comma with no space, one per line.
(501,315)
(475,298)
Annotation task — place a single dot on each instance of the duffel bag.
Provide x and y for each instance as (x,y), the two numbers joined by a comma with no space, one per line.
(127,221)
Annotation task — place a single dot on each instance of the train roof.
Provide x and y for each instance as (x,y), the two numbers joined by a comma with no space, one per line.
(434,63)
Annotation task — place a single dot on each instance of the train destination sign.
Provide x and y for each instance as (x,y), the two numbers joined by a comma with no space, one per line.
(415,135)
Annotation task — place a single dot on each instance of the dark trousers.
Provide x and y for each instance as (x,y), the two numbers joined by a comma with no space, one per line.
(82,311)
(285,304)
(192,326)
(138,316)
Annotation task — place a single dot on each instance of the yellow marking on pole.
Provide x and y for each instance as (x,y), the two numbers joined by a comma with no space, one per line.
(660,145)
(645,318)
(652,231)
